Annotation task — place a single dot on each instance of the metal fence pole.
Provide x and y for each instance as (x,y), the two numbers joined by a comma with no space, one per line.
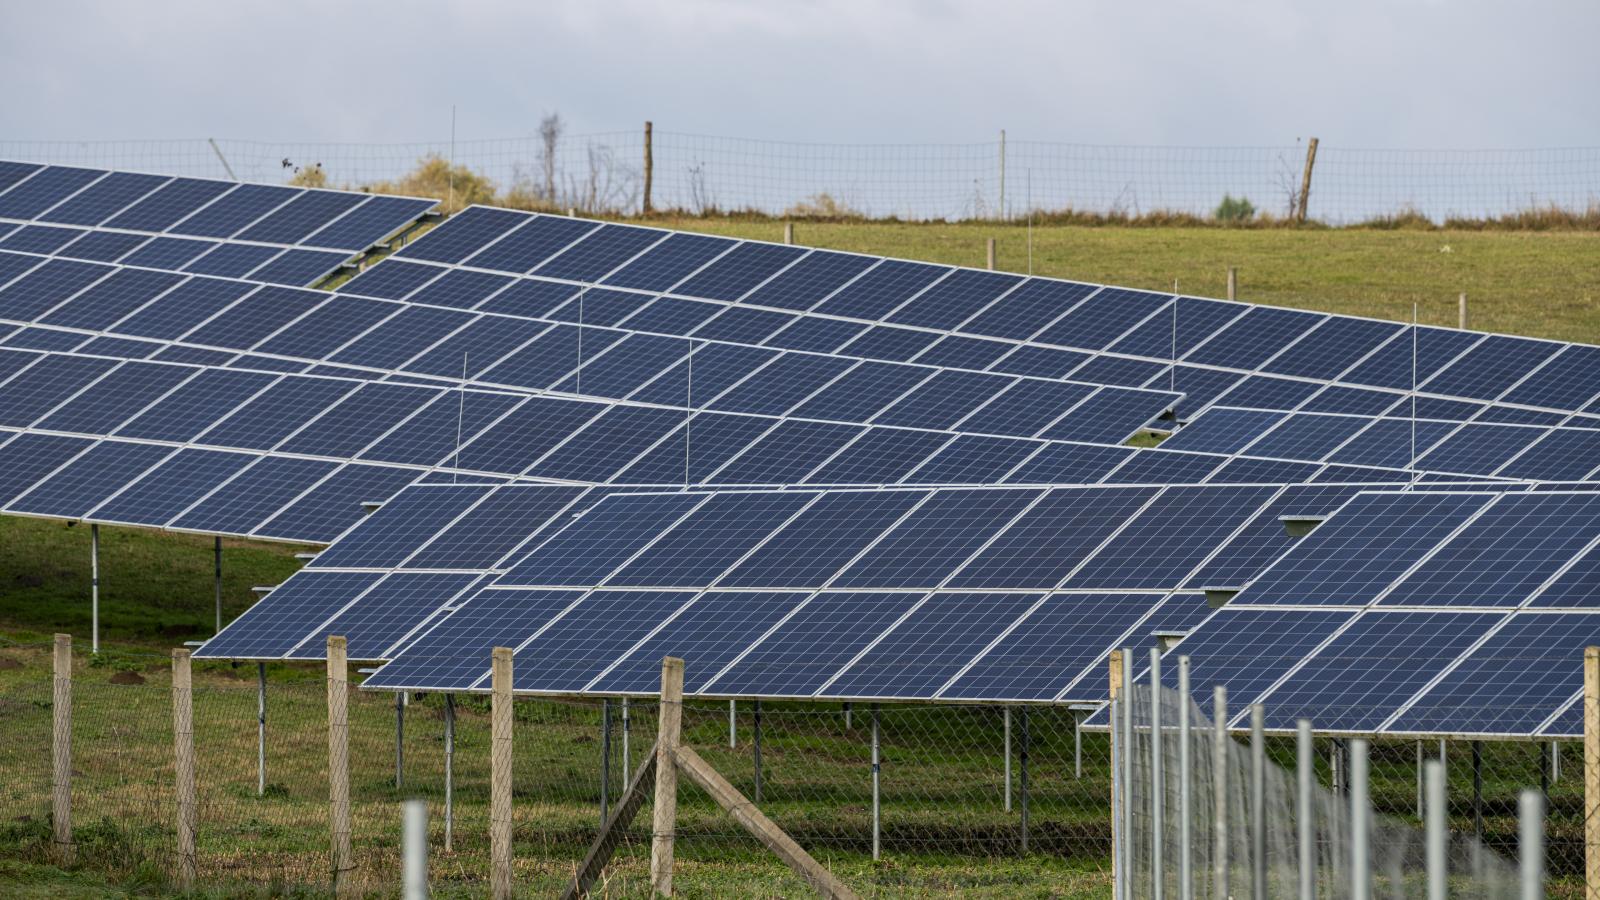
(1077,745)
(216,577)
(261,729)
(1158,785)
(1007,715)
(94,588)
(1118,840)
(627,761)
(1305,816)
(1438,831)
(1022,782)
(1530,844)
(1258,803)
(449,771)
(605,760)
(1219,798)
(415,841)
(877,796)
(755,747)
(1477,789)
(1127,768)
(1185,829)
(1360,824)
(399,738)
(733,724)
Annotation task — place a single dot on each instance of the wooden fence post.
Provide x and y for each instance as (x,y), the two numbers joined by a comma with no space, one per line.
(666,808)
(183,765)
(1462,312)
(61,781)
(500,777)
(788,232)
(1233,283)
(1591,772)
(1305,180)
(339,762)
(989,252)
(649,166)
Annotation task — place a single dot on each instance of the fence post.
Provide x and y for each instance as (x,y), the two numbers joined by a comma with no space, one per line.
(989,247)
(1006,721)
(605,760)
(1116,739)
(1185,773)
(61,744)
(339,761)
(788,232)
(1158,784)
(1437,831)
(449,771)
(500,776)
(649,166)
(1360,824)
(1477,789)
(1305,815)
(1233,283)
(1022,780)
(216,577)
(627,765)
(666,808)
(183,765)
(1591,771)
(877,795)
(755,747)
(1530,844)
(1258,802)
(733,724)
(94,588)
(1305,180)
(1219,797)
(1461,311)
(261,729)
(414,865)
(1002,174)
(399,738)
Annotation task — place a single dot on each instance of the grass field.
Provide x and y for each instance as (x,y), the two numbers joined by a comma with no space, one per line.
(156,589)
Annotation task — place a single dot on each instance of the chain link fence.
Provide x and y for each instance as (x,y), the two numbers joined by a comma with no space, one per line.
(605,173)
(951,814)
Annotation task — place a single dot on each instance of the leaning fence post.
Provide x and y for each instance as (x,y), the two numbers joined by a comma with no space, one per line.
(500,776)
(183,765)
(1305,181)
(61,745)
(666,808)
(649,166)
(339,761)
(1591,771)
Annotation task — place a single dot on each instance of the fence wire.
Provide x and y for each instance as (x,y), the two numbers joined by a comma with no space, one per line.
(604,173)
(952,815)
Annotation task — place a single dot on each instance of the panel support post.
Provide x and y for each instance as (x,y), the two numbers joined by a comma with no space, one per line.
(1591,772)
(183,765)
(500,776)
(605,759)
(1219,796)
(666,806)
(216,578)
(877,760)
(1305,181)
(449,771)
(649,166)
(755,747)
(261,729)
(1006,713)
(94,588)
(339,762)
(399,739)
(61,755)
(1477,789)
(1118,879)
(1022,772)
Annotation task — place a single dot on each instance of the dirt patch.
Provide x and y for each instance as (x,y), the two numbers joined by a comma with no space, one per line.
(127,678)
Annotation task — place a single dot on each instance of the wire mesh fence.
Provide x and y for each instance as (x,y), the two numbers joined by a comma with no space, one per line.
(964,798)
(989,179)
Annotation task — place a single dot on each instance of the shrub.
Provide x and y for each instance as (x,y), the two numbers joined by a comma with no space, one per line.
(1234,209)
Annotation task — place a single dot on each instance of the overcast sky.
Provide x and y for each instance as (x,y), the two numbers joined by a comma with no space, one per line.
(1369,73)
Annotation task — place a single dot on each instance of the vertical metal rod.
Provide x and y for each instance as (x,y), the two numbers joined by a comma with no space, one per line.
(1022,782)
(261,729)
(627,761)
(1530,844)
(1118,840)
(94,588)
(1002,174)
(1007,716)
(1477,790)
(605,759)
(1128,745)
(416,851)
(1438,831)
(1360,824)
(399,738)
(1219,797)
(1258,803)
(1185,775)
(1158,785)
(1077,745)
(1420,779)
(1555,761)
(733,724)
(216,577)
(847,712)
(1305,814)
(756,748)
(877,821)
(449,771)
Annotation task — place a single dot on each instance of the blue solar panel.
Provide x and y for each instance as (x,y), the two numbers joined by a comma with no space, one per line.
(300,268)
(531,243)
(785,454)
(455,652)
(370,223)
(1199,386)
(495,527)
(779,386)
(1511,683)
(1390,442)
(191,408)
(546,360)
(879,456)
(1267,392)
(461,288)
(973,459)
(601,251)
(103,246)
(1371,668)
(1172,536)
(930,646)
(1392,364)
(675,315)
(332,506)
(385,614)
(183,308)
(815,335)
(667,263)
(1164,466)
(960,352)
(713,369)
(807,551)
(275,413)
(254,494)
(1101,319)
(103,406)
(890,342)
(581,644)
(255,317)
(168,204)
(1506,553)
(804,284)
(860,393)
(400,527)
(690,454)
(398,339)
(232,260)
(110,299)
(44,287)
(797,657)
(944,399)
(391,279)
(1479,449)
(235,210)
(1307,436)
(525,434)
(743,325)
(44,189)
(599,306)
(40,238)
(707,635)
(298,218)
(601,540)
(27,458)
(1047,542)
(359,419)
(739,271)
(1051,647)
(879,290)
(954,299)
(608,443)
(1069,464)
(1561,455)
(1111,416)
(103,199)
(13,172)
(171,487)
(279,621)
(39,388)
(432,435)
(462,235)
(1332,347)
(1223,430)
(1490,367)
(1566,381)
(1121,371)
(1338,398)
(1263,540)
(1361,550)
(926,548)
(1033,305)
(1179,328)
(89,479)
(626,366)
(167,253)
(1246,650)
(44,339)
(475,347)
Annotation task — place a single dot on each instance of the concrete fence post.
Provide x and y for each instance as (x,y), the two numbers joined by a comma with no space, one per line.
(500,776)
(183,766)
(339,762)
(61,755)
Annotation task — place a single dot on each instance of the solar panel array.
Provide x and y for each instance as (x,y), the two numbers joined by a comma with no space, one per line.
(1459,613)
(270,233)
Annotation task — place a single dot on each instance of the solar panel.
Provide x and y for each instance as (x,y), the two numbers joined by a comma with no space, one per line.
(926,549)
(1046,543)
(385,613)
(601,540)
(454,653)
(707,634)
(1176,532)
(89,479)
(273,626)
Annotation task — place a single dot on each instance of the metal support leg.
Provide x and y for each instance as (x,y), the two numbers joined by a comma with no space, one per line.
(94,588)
(261,729)
(733,724)
(449,771)
(1022,780)
(399,739)
(216,578)
(1219,795)
(1360,824)
(1304,813)
(1258,803)
(1077,745)
(1185,776)
(847,711)
(756,748)
(877,764)
(1007,754)
(605,759)
(1477,789)
(1158,785)
(627,760)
